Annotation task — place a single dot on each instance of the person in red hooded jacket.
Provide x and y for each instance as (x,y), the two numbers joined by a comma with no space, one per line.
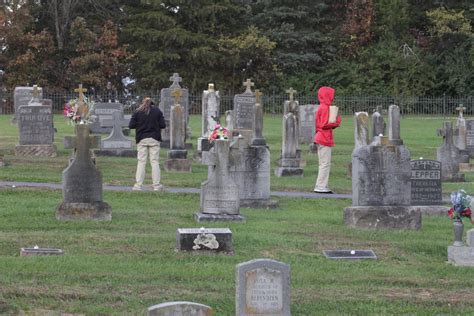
(324,138)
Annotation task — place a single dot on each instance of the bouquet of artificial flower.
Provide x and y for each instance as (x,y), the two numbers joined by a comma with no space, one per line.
(79,112)
(461,206)
(219,132)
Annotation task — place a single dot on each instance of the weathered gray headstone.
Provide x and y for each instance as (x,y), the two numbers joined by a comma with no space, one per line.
(35,123)
(449,156)
(177,155)
(381,187)
(219,193)
(378,124)
(289,162)
(210,110)
(116,144)
(470,137)
(82,181)
(361,134)
(426,187)
(244,111)
(229,122)
(263,288)
(250,168)
(167,101)
(104,112)
(463,256)
(180,308)
(307,122)
(23,96)
(204,240)
(257,137)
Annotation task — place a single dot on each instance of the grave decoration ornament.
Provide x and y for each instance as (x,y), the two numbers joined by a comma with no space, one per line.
(79,110)
(461,208)
(219,131)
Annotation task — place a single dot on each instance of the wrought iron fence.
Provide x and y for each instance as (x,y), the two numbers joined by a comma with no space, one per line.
(441,106)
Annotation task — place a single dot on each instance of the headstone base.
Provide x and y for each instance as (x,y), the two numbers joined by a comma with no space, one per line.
(99,211)
(178,165)
(36,150)
(180,308)
(465,167)
(205,217)
(433,210)
(288,172)
(259,203)
(458,177)
(213,240)
(116,153)
(461,256)
(383,217)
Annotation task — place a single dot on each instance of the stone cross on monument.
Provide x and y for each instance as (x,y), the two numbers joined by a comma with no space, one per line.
(248,84)
(82,108)
(177,94)
(82,143)
(117,122)
(36,92)
(291,92)
(176,79)
(210,87)
(461,110)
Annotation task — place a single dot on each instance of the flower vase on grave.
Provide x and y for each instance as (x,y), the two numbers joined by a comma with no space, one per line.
(458,227)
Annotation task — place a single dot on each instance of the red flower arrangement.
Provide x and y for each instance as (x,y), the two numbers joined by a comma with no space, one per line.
(219,132)
(461,206)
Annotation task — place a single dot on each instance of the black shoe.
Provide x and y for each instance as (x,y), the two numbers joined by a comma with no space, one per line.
(323,192)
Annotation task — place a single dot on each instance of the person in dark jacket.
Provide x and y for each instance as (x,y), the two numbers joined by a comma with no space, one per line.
(148,121)
(324,138)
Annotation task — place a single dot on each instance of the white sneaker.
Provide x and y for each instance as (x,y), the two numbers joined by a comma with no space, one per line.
(322,190)
(137,187)
(158,187)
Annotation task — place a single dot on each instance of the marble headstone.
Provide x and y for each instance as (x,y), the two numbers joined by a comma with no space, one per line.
(219,193)
(307,122)
(289,162)
(82,181)
(426,187)
(177,155)
(449,156)
(104,112)
(470,137)
(263,288)
(23,96)
(463,255)
(381,185)
(180,308)
(244,112)
(116,144)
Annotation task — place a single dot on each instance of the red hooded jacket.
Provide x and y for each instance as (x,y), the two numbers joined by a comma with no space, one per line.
(323,128)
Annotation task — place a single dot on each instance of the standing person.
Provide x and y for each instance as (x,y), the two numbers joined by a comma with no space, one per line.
(324,138)
(148,121)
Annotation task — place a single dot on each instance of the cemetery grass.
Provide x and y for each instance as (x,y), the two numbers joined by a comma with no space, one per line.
(419,135)
(129,264)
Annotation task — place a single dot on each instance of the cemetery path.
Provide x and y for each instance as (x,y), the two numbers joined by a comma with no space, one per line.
(58,186)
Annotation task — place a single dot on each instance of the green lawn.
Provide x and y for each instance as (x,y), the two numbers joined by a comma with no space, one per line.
(129,264)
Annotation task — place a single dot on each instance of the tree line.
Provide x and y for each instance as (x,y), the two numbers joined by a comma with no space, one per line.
(376,47)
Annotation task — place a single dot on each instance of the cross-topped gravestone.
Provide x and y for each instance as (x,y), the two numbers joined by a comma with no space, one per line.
(244,112)
(461,110)
(449,156)
(177,94)
(248,84)
(167,100)
(291,92)
(219,193)
(36,93)
(80,90)
(116,144)
(82,181)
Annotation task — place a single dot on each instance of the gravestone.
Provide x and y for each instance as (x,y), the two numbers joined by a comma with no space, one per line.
(378,124)
(116,144)
(82,181)
(426,187)
(177,155)
(449,156)
(307,124)
(35,124)
(204,240)
(229,122)
(23,96)
(292,106)
(250,168)
(180,308)
(167,101)
(244,112)
(210,110)
(381,188)
(257,128)
(219,193)
(470,137)
(104,112)
(460,140)
(289,162)
(463,256)
(262,288)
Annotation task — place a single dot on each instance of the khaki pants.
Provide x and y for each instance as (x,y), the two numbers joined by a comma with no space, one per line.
(324,158)
(144,147)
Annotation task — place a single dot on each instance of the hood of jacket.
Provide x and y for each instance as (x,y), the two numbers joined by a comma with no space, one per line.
(326,95)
